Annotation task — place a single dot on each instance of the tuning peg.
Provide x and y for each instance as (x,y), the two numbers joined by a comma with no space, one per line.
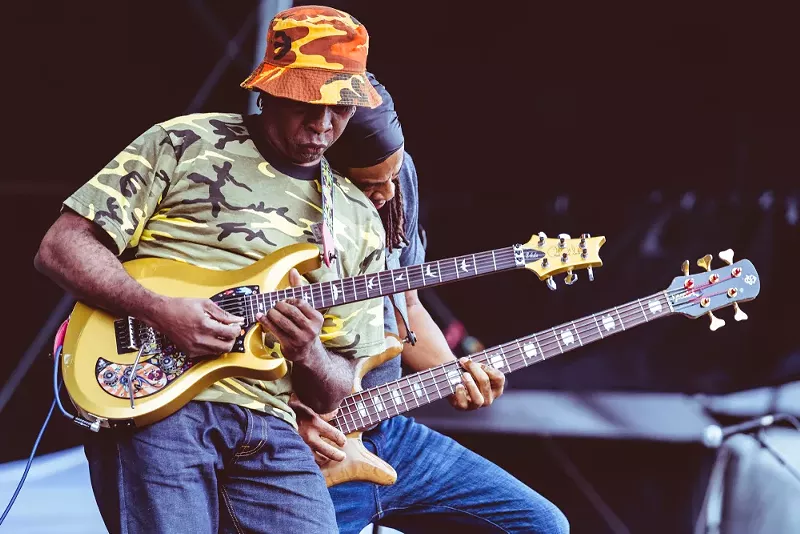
(571,278)
(562,238)
(551,283)
(705,262)
(591,273)
(542,237)
(685,268)
(716,322)
(726,256)
(584,237)
(739,315)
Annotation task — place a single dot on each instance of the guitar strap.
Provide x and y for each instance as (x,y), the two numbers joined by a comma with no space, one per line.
(411,337)
(323,231)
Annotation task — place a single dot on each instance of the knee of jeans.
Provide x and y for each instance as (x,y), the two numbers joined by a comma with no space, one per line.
(551,520)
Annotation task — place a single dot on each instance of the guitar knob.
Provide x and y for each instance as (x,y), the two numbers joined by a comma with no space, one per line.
(739,315)
(562,240)
(685,268)
(716,322)
(590,272)
(571,278)
(542,237)
(551,283)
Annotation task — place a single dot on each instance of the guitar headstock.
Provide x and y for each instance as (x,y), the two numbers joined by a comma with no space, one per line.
(695,295)
(562,254)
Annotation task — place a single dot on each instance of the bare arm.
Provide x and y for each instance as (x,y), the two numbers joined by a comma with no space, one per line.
(431,348)
(481,384)
(323,379)
(74,254)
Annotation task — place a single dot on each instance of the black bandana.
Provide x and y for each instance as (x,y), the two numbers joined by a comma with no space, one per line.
(371,136)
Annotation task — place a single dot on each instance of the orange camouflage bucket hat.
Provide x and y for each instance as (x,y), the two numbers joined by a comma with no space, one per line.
(316,54)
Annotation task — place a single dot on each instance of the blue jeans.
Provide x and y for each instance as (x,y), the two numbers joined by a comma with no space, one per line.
(210,467)
(441,487)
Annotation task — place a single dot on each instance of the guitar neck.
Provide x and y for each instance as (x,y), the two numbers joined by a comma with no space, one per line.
(363,287)
(366,408)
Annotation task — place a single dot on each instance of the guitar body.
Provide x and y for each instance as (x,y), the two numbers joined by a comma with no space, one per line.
(96,365)
(359,463)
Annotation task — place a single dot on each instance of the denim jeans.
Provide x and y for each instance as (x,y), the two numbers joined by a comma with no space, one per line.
(441,487)
(210,467)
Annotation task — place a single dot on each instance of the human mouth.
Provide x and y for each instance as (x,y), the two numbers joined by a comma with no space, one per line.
(314,147)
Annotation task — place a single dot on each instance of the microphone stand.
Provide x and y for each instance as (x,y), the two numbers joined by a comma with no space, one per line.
(761,438)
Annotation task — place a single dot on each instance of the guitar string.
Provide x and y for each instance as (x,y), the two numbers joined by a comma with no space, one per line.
(629,310)
(510,356)
(440,375)
(482,263)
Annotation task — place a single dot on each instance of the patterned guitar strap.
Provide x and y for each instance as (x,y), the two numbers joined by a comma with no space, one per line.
(323,231)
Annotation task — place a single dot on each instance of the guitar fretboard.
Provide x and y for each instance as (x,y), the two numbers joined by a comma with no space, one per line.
(357,288)
(367,408)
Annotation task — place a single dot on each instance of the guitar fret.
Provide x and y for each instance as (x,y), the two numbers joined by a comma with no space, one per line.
(408,278)
(494,261)
(535,340)
(379,405)
(355,292)
(622,324)
(594,316)
(455,264)
(439,270)
(555,335)
(422,273)
(639,301)
(577,334)
(436,383)
(424,388)
(666,297)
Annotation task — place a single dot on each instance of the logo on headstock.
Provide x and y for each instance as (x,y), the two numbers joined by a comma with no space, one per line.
(532,255)
(750,279)
(682,296)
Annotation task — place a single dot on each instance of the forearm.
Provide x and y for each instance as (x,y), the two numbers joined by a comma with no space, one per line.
(322,379)
(431,348)
(72,255)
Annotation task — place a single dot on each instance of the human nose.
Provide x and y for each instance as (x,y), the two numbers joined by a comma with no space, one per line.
(320,120)
(385,192)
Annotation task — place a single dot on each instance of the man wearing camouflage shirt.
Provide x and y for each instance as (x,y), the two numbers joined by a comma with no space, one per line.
(221,191)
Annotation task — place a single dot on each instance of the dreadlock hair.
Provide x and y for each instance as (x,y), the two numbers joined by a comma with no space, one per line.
(394,220)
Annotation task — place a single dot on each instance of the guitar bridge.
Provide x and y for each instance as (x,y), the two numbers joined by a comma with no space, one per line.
(133,335)
(125,331)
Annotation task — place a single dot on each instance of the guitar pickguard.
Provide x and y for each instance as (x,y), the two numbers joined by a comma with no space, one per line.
(161,361)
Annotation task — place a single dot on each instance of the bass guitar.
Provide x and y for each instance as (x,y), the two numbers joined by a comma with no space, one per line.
(689,295)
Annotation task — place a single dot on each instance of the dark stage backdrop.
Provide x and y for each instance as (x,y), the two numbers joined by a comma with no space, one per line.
(672,132)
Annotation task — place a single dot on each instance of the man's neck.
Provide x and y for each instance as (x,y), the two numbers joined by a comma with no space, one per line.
(273,156)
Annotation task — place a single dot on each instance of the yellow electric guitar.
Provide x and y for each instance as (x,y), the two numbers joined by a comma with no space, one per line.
(119,372)
(688,295)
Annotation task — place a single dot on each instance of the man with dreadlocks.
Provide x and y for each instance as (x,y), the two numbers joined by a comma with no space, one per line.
(440,483)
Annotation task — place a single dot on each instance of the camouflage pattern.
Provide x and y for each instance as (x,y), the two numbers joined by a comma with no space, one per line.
(195,189)
(318,55)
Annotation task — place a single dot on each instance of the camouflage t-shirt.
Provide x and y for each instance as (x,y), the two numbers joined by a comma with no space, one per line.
(196,189)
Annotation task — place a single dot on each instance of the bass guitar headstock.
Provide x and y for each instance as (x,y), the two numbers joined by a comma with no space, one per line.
(705,292)
(563,255)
